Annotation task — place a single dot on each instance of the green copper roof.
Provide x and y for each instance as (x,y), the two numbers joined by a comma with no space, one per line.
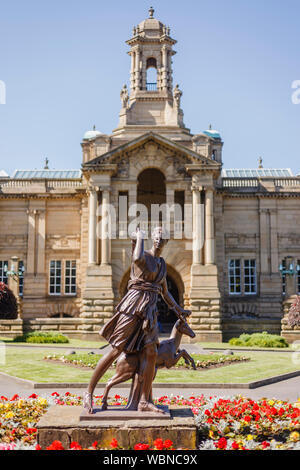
(47,174)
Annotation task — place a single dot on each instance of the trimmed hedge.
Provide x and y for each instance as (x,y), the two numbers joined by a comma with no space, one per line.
(262,340)
(42,337)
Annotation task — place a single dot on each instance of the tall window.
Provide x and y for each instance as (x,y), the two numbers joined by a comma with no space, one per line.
(151,67)
(242,277)
(234,270)
(3,276)
(70,277)
(250,276)
(55,277)
(62,277)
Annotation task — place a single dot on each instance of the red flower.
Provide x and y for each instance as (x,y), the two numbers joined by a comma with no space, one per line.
(56,445)
(141,446)
(3,398)
(15,397)
(158,444)
(117,397)
(114,443)
(31,430)
(235,445)
(221,444)
(95,443)
(167,443)
(33,396)
(67,394)
(265,444)
(38,447)
(247,419)
(75,446)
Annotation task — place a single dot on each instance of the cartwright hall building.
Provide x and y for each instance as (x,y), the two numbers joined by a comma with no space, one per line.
(237,272)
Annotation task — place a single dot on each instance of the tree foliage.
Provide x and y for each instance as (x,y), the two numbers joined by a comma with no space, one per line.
(8,303)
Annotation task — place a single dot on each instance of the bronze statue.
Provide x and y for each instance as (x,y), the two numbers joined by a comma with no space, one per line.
(168,354)
(134,329)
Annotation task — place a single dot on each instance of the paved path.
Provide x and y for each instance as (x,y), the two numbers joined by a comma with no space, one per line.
(285,390)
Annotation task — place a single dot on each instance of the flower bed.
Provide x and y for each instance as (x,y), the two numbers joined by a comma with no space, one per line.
(202,361)
(223,423)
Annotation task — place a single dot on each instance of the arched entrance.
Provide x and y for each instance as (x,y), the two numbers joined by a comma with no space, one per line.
(151,189)
(167,317)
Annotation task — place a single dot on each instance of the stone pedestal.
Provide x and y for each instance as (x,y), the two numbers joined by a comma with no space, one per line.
(98,298)
(205,303)
(63,423)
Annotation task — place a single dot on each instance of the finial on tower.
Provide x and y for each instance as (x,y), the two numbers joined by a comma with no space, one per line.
(46,167)
(151,12)
(260,162)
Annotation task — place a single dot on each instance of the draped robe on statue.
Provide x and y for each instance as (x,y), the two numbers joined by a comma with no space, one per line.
(134,324)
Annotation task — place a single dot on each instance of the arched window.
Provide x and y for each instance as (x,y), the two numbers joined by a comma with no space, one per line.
(151,67)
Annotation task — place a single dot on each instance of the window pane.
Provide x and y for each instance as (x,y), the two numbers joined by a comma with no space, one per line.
(70,277)
(55,277)
(234,276)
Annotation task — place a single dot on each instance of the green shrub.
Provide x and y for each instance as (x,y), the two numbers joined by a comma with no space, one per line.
(42,337)
(262,340)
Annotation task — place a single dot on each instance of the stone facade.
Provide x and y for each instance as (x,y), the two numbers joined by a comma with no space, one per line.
(50,222)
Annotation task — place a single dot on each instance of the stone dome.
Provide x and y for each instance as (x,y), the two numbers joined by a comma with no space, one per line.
(91,134)
(212,133)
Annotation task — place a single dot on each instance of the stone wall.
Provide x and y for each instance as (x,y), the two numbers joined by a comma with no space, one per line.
(205,319)
(79,328)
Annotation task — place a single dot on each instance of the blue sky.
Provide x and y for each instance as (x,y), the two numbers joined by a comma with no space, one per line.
(64,63)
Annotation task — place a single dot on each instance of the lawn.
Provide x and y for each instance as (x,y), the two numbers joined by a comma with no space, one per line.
(75,343)
(29,364)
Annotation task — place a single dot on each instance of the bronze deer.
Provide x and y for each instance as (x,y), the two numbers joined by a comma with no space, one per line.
(168,355)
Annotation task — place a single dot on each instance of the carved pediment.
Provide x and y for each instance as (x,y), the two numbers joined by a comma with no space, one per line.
(150,150)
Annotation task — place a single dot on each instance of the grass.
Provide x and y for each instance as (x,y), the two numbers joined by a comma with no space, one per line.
(229,346)
(75,343)
(29,364)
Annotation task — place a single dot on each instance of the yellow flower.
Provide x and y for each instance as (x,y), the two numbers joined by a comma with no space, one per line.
(271,402)
(250,437)
(211,434)
(9,415)
(294,436)
(42,401)
(20,403)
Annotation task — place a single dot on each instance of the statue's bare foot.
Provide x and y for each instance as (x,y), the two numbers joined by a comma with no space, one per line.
(147,406)
(88,402)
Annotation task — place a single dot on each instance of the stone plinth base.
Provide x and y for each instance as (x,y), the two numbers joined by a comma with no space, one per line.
(63,423)
(115,414)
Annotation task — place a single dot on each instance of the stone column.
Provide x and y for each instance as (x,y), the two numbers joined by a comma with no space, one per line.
(197,229)
(92,258)
(30,268)
(105,236)
(137,70)
(41,241)
(132,84)
(209,227)
(165,68)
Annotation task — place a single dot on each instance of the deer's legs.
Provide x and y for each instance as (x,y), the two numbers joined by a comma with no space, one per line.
(115,380)
(188,359)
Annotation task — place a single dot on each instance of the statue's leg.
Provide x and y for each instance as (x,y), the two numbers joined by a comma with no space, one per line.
(146,374)
(104,363)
